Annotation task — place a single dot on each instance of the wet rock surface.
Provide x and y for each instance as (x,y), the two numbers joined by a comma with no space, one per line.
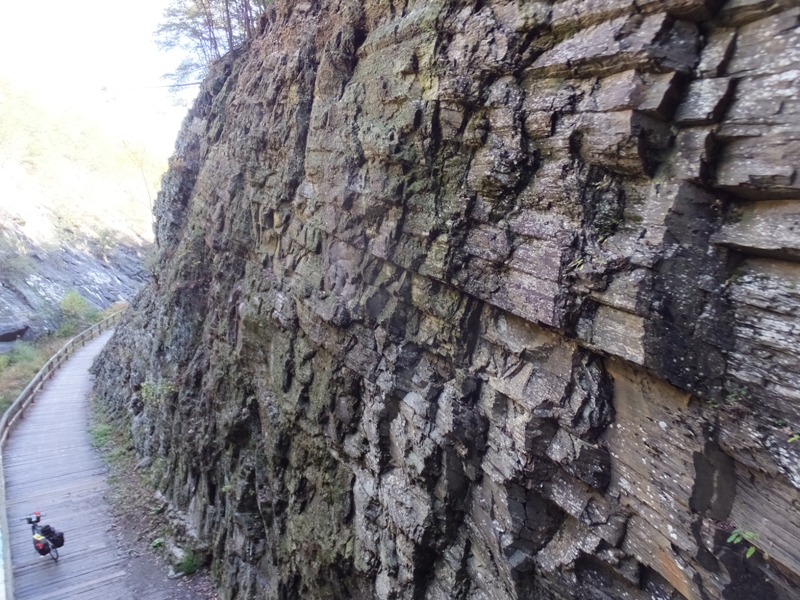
(481,301)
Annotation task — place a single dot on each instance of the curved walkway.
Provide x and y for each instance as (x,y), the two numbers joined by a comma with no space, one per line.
(51,466)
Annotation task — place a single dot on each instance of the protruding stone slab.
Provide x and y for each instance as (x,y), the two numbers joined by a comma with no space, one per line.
(716,53)
(624,43)
(769,228)
(706,100)
(623,142)
(619,333)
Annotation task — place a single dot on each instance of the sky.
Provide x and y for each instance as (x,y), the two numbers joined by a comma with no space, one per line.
(98,57)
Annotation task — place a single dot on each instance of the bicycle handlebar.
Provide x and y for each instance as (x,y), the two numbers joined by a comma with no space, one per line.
(34,517)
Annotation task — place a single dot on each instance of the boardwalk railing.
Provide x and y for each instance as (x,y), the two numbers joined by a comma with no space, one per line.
(16,411)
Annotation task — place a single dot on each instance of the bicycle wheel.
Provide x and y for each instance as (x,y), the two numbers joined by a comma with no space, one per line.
(53,552)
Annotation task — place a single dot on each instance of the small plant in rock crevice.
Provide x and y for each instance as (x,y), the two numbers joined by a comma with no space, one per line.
(190,564)
(740,535)
(154,393)
(738,394)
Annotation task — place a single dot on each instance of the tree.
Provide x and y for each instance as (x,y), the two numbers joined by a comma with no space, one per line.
(206,30)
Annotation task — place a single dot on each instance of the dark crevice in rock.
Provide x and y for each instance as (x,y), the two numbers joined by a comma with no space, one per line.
(714,489)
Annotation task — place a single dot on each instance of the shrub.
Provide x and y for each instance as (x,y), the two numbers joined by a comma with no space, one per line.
(73,305)
(77,313)
(67,328)
(23,353)
(190,564)
(93,315)
(23,362)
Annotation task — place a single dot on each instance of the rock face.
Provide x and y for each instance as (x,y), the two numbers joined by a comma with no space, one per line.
(34,277)
(482,300)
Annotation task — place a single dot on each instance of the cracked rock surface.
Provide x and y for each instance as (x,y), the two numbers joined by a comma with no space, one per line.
(482,300)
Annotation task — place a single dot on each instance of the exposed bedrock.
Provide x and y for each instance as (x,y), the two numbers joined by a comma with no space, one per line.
(482,300)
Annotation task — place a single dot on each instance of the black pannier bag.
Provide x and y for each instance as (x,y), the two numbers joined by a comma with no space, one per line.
(57,539)
(53,536)
(41,545)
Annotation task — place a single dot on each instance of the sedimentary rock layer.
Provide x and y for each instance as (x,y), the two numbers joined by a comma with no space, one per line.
(482,300)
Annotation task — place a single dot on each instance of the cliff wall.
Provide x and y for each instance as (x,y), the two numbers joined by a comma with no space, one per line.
(482,300)
(35,276)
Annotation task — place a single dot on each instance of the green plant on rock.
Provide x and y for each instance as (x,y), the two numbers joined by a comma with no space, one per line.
(154,392)
(738,394)
(740,535)
(190,564)
(157,543)
(156,472)
(794,437)
(576,263)
(736,277)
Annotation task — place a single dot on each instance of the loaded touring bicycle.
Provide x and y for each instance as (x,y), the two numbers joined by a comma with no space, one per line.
(46,540)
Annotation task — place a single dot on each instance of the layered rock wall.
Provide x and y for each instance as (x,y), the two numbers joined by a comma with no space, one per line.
(35,276)
(482,300)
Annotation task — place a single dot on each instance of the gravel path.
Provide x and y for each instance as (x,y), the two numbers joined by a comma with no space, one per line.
(138,521)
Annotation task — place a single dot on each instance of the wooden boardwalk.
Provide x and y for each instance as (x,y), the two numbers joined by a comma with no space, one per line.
(51,466)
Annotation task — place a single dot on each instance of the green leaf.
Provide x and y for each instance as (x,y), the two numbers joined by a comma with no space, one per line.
(794,438)
(734,537)
(750,551)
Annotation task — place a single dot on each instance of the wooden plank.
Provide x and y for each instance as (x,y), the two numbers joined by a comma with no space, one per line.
(51,466)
